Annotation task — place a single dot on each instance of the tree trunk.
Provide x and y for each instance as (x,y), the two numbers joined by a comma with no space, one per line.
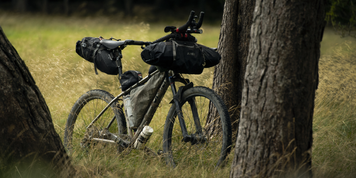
(233,47)
(44,6)
(20,5)
(66,7)
(129,7)
(29,141)
(275,131)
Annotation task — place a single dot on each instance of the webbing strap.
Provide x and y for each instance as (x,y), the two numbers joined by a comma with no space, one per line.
(94,54)
(174,45)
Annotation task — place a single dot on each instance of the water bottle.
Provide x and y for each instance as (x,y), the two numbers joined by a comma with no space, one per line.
(143,137)
(128,110)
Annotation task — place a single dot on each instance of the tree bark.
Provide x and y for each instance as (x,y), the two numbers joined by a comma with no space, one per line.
(28,138)
(233,46)
(275,131)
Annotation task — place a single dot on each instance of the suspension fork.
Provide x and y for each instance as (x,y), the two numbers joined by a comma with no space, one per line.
(196,118)
(178,108)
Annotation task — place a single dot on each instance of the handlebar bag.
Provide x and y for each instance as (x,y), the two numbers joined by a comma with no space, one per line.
(180,56)
(211,56)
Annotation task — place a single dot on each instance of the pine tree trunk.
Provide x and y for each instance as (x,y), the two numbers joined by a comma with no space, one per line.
(275,131)
(233,47)
(28,138)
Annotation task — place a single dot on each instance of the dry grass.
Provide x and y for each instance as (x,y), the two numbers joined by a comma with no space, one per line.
(46,44)
(334,149)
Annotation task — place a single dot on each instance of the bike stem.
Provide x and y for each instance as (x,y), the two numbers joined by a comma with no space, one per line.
(186,137)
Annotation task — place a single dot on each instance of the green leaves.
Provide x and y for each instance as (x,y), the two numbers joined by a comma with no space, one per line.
(342,15)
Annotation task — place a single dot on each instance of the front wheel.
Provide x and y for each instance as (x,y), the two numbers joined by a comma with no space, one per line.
(77,136)
(210,136)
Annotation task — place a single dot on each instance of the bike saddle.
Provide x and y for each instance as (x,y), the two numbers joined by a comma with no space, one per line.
(111,44)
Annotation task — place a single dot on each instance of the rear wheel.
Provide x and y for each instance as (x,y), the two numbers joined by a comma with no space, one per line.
(77,136)
(204,147)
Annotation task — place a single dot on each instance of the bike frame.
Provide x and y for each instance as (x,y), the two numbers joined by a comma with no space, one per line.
(170,78)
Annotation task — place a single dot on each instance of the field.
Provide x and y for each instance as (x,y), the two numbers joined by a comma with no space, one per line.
(47,45)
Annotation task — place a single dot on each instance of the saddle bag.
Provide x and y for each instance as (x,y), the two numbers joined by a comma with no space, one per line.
(179,56)
(104,59)
(87,47)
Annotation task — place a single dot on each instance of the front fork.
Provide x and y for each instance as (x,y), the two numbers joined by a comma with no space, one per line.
(197,137)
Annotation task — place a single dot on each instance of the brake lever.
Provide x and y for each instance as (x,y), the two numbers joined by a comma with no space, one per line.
(170,29)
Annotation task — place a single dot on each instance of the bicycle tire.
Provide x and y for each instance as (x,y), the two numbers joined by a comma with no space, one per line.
(217,146)
(85,109)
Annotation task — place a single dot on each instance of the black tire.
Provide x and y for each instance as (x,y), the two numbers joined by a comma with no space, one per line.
(85,109)
(217,146)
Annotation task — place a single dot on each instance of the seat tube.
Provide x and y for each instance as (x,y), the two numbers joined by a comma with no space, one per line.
(178,107)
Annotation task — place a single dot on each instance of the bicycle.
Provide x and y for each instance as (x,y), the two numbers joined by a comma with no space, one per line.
(191,106)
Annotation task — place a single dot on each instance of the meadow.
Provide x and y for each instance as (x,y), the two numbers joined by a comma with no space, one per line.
(47,45)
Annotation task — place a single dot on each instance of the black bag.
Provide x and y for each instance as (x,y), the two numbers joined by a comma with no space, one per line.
(129,78)
(87,48)
(211,56)
(104,59)
(179,56)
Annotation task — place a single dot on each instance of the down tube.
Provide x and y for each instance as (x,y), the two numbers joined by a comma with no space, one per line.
(152,109)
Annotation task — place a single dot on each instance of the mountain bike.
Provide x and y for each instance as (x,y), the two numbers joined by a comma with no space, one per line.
(203,131)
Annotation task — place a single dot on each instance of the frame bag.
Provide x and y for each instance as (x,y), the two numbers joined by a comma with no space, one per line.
(141,97)
(179,56)
(129,78)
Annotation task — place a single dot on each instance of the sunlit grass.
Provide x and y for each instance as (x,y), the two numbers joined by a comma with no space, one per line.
(47,45)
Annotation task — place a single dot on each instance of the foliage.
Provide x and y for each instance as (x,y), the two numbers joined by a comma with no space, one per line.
(342,15)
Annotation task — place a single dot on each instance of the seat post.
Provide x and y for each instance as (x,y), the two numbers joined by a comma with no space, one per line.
(119,65)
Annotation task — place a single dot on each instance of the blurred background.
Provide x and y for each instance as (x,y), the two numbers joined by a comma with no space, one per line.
(152,10)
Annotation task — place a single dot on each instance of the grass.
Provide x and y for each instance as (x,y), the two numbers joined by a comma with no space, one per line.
(46,44)
(334,149)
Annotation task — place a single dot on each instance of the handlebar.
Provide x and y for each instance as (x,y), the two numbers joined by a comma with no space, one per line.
(167,37)
(200,22)
(184,28)
(181,32)
(133,42)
